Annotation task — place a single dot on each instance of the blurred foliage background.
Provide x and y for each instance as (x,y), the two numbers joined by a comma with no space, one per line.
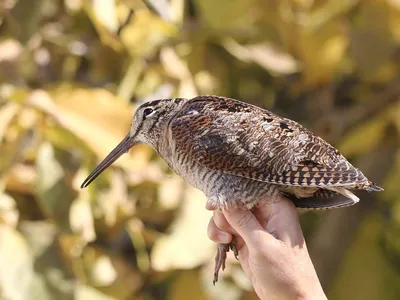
(71,74)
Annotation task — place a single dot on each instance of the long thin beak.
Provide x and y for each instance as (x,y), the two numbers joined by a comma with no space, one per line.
(121,148)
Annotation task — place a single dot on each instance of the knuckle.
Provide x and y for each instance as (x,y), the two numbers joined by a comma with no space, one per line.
(221,222)
(245,220)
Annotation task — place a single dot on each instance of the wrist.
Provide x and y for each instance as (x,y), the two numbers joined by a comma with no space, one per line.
(316,293)
(310,294)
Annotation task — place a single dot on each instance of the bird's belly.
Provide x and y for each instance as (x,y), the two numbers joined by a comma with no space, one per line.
(223,189)
(195,174)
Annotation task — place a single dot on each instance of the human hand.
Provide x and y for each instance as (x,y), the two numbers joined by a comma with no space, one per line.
(272,249)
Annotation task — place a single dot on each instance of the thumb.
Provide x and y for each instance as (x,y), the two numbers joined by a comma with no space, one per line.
(246,225)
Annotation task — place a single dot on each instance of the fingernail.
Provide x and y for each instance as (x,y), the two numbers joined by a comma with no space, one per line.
(224,238)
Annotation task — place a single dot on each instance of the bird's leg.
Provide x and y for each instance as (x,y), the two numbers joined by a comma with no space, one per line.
(220,258)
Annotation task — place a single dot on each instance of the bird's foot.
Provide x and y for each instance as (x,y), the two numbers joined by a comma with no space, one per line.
(232,246)
(220,258)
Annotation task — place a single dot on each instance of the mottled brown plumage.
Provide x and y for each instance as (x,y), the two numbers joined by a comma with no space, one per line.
(239,154)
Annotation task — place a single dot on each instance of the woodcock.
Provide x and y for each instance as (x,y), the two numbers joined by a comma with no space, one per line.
(238,154)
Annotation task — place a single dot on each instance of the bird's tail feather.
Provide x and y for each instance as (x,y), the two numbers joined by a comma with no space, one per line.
(326,199)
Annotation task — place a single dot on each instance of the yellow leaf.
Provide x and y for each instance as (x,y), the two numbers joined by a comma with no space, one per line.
(325,12)
(321,53)
(225,14)
(21,179)
(102,272)
(93,115)
(371,42)
(84,292)
(16,264)
(364,137)
(146,33)
(170,192)
(392,187)
(105,12)
(8,211)
(52,188)
(265,54)
(81,218)
(7,114)
(177,68)
(109,273)
(187,246)
(187,283)
(135,229)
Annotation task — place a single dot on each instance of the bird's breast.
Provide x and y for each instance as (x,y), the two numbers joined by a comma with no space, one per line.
(187,167)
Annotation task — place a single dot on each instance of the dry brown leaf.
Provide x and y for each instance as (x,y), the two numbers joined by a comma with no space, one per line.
(21,179)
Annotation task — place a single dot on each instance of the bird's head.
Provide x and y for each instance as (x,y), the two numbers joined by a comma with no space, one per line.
(147,127)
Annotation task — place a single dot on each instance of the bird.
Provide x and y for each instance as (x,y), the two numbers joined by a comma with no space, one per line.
(239,155)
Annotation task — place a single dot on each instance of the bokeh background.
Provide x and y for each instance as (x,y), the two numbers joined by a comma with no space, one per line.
(72,73)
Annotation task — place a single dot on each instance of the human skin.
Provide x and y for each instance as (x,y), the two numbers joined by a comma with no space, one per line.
(272,249)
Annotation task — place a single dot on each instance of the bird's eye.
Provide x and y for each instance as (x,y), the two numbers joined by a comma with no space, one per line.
(148,111)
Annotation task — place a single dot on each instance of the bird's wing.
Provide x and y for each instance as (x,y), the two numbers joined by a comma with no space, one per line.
(244,140)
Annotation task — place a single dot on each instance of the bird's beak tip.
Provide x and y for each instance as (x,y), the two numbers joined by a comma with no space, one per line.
(119,150)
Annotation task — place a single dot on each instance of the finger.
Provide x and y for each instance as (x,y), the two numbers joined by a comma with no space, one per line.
(210,205)
(239,244)
(222,223)
(217,235)
(281,220)
(244,261)
(247,226)
(214,233)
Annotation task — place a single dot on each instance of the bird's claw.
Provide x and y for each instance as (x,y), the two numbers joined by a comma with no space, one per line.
(220,258)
